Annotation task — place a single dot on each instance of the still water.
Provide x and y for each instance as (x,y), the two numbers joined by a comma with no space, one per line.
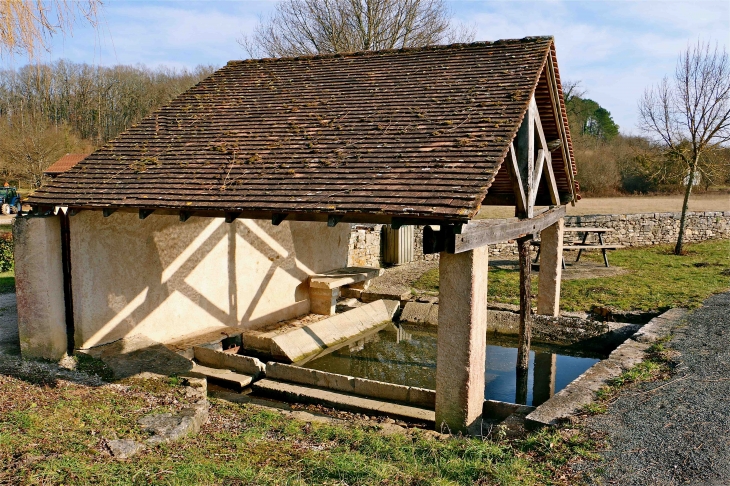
(397,355)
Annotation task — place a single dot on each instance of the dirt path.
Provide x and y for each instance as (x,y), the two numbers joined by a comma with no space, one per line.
(676,431)
(629,205)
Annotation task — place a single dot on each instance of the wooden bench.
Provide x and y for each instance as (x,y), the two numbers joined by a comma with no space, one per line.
(324,288)
(583,245)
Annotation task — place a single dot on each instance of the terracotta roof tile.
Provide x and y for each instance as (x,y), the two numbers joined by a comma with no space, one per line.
(65,163)
(413,132)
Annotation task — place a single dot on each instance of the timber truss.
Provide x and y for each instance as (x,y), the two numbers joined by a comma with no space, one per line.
(529,163)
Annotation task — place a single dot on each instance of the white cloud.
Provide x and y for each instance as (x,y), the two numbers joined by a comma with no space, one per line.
(615,48)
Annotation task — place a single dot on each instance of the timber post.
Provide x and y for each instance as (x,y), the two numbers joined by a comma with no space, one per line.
(523,349)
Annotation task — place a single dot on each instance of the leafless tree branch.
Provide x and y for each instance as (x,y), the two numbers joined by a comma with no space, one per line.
(304,27)
(690,114)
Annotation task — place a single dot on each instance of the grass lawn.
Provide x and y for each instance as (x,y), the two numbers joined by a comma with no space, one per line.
(7,281)
(656,279)
(54,433)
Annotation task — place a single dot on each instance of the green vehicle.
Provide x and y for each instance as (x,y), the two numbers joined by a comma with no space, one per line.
(10,200)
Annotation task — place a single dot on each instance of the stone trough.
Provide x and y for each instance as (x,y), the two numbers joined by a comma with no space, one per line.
(293,383)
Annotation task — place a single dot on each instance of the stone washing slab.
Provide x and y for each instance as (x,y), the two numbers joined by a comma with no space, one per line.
(227,378)
(344,276)
(581,391)
(302,394)
(414,396)
(304,342)
(234,362)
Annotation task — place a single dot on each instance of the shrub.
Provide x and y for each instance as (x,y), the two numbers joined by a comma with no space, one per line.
(6,252)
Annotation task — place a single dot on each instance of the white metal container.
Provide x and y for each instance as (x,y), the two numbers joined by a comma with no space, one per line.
(398,245)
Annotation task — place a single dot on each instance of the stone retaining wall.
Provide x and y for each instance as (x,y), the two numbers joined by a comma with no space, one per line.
(630,230)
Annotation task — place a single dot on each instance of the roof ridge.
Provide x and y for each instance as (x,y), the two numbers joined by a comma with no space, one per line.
(435,47)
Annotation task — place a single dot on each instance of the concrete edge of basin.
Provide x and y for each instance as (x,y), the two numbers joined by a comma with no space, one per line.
(418,397)
(581,391)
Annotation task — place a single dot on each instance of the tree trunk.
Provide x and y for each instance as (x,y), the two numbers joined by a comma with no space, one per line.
(523,347)
(685,204)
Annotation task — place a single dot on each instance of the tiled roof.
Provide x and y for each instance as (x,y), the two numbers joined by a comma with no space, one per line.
(413,132)
(65,163)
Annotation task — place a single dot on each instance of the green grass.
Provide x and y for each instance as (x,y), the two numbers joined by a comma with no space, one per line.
(56,435)
(656,279)
(7,281)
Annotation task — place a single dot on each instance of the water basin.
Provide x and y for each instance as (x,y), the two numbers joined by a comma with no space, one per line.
(408,357)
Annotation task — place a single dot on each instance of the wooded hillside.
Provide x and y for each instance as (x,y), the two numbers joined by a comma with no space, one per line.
(610,163)
(50,109)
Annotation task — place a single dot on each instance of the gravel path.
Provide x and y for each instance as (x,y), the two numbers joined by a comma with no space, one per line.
(676,431)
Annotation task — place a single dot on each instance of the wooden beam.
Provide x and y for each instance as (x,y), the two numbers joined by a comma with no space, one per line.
(333,219)
(108,212)
(73,211)
(523,343)
(517,187)
(231,216)
(550,177)
(488,231)
(143,213)
(277,218)
(539,164)
(538,129)
(184,216)
(526,153)
(557,111)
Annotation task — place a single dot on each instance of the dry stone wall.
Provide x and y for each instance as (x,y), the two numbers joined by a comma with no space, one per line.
(642,229)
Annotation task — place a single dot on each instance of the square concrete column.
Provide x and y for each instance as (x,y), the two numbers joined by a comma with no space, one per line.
(543,377)
(39,287)
(551,269)
(462,340)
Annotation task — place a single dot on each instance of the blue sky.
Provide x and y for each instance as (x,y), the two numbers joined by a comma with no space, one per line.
(615,48)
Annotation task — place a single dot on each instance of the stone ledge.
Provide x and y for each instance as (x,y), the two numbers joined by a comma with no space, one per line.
(234,362)
(344,276)
(418,397)
(306,342)
(342,401)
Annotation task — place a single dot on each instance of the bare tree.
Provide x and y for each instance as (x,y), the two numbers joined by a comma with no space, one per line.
(303,27)
(690,114)
(30,145)
(26,25)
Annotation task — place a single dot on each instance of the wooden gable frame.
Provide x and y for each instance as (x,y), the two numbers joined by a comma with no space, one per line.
(528,162)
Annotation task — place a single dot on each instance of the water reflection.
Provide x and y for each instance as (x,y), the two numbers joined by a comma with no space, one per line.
(408,357)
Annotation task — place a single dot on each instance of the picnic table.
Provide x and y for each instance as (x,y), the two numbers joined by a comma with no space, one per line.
(584,244)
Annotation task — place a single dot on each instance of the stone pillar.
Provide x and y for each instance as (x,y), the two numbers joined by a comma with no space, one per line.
(462,335)
(39,287)
(551,269)
(543,378)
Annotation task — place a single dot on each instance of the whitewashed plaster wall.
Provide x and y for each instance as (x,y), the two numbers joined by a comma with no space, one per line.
(168,280)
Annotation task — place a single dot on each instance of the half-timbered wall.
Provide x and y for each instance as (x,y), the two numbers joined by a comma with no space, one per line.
(166,279)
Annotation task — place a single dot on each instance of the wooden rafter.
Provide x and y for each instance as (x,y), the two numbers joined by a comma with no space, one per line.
(517,185)
(556,100)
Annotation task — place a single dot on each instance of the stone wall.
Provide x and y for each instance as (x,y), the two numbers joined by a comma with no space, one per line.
(367,246)
(657,228)
(629,230)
